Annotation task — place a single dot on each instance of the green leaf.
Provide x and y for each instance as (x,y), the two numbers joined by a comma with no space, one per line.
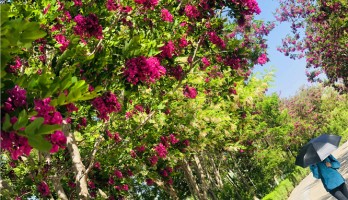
(88,97)
(39,142)
(48,129)
(61,99)
(66,82)
(32,32)
(7,124)
(22,120)
(33,126)
(160,106)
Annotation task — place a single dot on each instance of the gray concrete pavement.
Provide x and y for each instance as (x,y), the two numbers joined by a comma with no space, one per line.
(312,189)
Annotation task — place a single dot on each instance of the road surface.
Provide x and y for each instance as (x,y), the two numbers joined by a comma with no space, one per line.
(312,189)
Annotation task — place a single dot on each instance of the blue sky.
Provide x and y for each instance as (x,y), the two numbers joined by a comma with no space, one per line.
(290,74)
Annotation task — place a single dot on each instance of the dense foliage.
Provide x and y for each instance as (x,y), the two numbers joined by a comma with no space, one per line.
(145,99)
(323,41)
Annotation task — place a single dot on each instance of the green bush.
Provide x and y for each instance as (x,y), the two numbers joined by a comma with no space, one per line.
(282,191)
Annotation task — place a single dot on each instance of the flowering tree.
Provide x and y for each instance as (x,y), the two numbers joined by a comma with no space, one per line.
(110,98)
(324,41)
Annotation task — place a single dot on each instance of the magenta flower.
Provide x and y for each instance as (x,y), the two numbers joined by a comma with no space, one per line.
(106,104)
(88,26)
(153,160)
(191,11)
(111,5)
(139,108)
(111,181)
(149,181)
(173,139)
(97,165)
(58,140)
(15,144)
(117,137)
(83,121)
(183,42)
(43,189)
(215,39)
(166,16)
(77,3)
(15,67)
(190,92)
(167,50)
(125,187)
(46,9)
(144,70)
(161,150)
(186,143)
(63,41)
(71,108)
(147,3)
(262,59)
(205,61)
(91,184)
(17,97)
(177,72)
(118,174)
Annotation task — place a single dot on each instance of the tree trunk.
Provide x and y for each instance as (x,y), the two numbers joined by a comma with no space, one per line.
(191,180)
(216,173)
(201,176)
(58,187)
(169,189)
(78,167)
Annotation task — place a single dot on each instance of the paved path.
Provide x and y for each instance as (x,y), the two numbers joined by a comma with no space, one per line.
(312,189)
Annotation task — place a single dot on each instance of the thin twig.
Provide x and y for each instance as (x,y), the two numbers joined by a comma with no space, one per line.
(93,154)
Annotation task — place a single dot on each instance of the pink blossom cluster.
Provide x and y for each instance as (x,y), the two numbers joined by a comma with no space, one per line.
(190,92)
(116,136)
(118,174)
(166,15)
(15,67)
(153,160)
(191,11)
(215,39)
(205,61)
(168,50)
(161,150)
(234,62)
(88,26)
(58,140)
(51,116)
(250,6)
(106,104)
(77,3)
(262,59)
(48,112)
(149,4)
(43,189)
(15,144)
(63,41)
(17,97)
(144,70)
(71,108)
(138,151)
(183,42)
(123,187)
(177,72)
(149,182)
(112,6)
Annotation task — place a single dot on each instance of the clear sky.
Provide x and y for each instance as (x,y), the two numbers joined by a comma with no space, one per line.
(290,74)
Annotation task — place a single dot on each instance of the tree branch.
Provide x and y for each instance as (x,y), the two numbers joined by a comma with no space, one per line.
(93,154)
(78,167)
